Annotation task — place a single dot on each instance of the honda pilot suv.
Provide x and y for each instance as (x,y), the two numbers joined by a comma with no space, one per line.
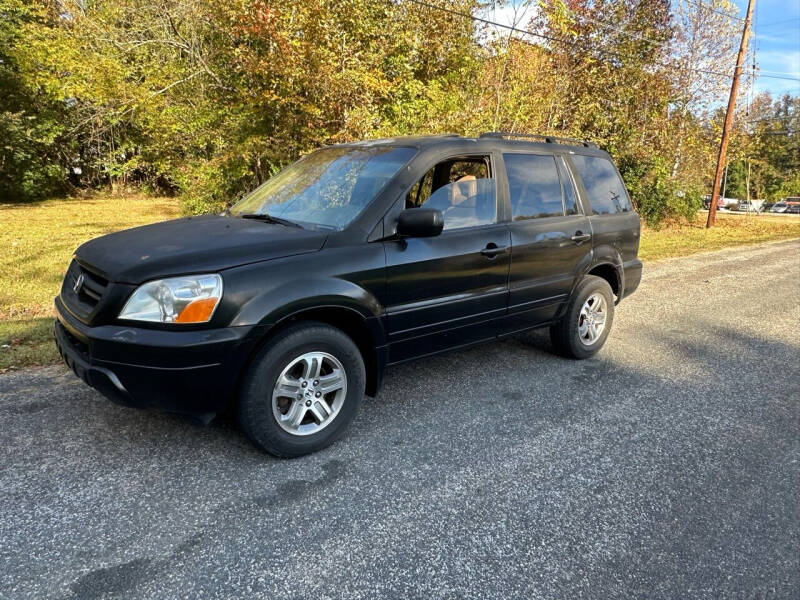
(289,305)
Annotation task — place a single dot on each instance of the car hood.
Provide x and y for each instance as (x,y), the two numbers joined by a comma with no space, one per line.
(193,245)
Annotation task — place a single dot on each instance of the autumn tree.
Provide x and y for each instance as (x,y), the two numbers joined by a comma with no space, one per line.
(207,99)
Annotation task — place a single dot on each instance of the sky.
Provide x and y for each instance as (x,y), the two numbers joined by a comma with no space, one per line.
(776,29)
(776,38)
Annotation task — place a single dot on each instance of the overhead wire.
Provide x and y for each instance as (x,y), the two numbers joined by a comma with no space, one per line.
(556,40)
(777,119)
(780,22)
(714,10)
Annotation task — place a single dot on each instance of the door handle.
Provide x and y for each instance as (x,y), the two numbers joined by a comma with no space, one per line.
(493,250)
(581,237)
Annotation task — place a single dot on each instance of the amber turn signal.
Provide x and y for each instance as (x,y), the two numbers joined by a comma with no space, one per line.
(198,311)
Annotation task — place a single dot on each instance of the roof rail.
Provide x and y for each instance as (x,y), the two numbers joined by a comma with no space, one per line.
(549,139)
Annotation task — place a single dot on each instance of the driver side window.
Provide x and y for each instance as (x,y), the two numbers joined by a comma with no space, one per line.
(463,189)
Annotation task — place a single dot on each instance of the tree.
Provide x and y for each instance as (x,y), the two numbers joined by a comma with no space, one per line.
(32,144)
(207,99)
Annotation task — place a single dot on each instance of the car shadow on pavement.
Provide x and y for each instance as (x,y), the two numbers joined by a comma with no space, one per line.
(416,381)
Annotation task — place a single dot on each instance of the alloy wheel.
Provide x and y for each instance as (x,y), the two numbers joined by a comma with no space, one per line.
(592,319)
(309,393)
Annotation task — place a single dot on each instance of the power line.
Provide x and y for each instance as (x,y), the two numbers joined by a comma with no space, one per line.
(774,72)
(762,74)
(610,27)
(472,17)
(781,22)
(486,21)
(773,119)
(714,10)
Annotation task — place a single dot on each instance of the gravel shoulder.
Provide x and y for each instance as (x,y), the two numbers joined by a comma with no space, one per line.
(667,466)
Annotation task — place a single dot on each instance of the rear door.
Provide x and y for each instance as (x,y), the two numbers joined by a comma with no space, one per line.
(451,289)
(550,237)
(615,225)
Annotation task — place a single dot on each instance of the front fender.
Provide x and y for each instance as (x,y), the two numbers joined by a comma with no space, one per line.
(278,303)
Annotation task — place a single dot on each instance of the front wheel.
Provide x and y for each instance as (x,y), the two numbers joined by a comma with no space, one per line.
(587,322)
(302,391)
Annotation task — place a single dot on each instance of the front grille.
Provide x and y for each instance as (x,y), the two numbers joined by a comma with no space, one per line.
(77,345)
(67,345)
(86,298)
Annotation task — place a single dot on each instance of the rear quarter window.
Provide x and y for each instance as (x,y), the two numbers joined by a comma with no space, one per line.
(607,194)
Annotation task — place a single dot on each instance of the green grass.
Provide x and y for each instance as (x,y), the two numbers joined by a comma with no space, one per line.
(27,342)
(38,241)
(730,230)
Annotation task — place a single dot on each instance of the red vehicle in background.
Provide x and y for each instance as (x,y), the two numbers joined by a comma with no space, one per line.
(722,202)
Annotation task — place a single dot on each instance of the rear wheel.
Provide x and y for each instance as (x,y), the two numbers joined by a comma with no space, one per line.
(302,391)
(587,322)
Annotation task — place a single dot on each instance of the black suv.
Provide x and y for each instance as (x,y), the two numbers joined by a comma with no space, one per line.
(358,256)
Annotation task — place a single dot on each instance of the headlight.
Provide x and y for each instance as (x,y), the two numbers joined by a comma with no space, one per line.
(190,299)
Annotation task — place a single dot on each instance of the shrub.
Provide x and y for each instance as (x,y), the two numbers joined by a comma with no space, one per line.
(210,187)
(655,195)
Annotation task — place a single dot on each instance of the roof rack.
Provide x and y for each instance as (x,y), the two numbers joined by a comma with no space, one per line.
(549,139)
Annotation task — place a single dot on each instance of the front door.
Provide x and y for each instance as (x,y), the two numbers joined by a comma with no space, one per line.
(550,237)
(452,289)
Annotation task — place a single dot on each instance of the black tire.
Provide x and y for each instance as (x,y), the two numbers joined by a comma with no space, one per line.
(564,334)
(255,399)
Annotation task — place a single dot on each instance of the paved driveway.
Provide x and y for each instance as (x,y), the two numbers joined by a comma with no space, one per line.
(668,466)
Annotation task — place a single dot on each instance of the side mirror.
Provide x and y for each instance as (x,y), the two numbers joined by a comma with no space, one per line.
(420,222)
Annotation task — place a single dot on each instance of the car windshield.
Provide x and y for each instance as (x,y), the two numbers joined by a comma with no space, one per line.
(327,188)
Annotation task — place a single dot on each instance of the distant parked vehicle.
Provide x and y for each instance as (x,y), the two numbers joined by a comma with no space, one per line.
(722,203)
(755,206)
(767,206)
(790,206)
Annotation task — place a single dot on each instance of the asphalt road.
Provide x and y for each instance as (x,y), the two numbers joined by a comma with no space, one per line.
(668,466)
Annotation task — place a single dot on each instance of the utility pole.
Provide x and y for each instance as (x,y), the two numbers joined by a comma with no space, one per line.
(726,128)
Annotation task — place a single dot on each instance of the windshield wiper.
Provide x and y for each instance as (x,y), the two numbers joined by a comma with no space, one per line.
(270,219)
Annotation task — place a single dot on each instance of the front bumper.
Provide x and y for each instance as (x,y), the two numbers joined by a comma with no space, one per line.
(191,373)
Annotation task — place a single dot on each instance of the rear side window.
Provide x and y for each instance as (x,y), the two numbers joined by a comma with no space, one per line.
(603,185)
(533,186)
